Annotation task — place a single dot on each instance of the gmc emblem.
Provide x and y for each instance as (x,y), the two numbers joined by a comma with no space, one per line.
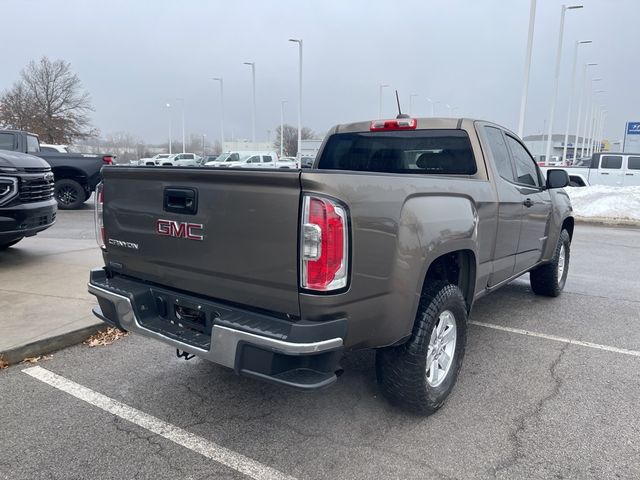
(171,228)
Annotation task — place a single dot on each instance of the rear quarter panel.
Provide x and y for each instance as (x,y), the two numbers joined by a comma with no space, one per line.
(399,225)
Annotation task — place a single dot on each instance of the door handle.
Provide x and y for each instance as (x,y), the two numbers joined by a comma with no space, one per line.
(528,203)
(629,174)
(181,200)
(604,173)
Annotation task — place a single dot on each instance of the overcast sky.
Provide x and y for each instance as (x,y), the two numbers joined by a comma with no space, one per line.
(133,57)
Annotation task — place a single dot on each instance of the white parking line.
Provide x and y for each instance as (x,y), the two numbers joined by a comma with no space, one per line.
(200,445)
(555,338)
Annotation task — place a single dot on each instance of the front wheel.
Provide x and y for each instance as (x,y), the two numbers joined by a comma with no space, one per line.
(549,279)
(420,374)
(69,194)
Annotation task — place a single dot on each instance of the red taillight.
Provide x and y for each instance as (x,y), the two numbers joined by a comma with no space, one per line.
(101,236)
(107,160)
(394,124)
(324,244)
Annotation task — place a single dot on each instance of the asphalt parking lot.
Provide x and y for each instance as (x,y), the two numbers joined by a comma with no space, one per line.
(549,389)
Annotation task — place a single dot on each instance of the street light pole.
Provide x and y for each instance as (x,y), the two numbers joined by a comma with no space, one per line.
(449,107)
(596,114)
(592,128)
(253,112)
(573,80)
(527,67)
(169,108)
(601,135)
(282,102)
(219,79)
(582,95)
(411,103)
(299,42)
(183,138)
(381,86)
(557,77)
(432,109)
(589,98)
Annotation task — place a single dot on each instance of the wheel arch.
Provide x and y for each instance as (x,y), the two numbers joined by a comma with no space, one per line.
(568,224)
(458,267)
(61,173)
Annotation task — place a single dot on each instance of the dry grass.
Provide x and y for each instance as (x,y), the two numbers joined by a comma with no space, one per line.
(3,363)
(33,360)
(105,337)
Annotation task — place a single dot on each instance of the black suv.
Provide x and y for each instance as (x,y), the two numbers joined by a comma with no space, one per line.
(27,205)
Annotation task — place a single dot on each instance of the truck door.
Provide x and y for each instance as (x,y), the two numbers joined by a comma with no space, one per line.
(610,171)
(632,174)
(509,206)
(537,206)
(268,162)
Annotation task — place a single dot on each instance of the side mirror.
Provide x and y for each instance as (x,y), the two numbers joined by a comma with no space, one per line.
(557,178)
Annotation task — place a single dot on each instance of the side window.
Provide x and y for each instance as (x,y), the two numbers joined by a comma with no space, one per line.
(33,145)
(634,163)
(526,171)
(611,162)
(267,159)
(234,157)
(254,159)
(6,141)
(500,153)
(189,156)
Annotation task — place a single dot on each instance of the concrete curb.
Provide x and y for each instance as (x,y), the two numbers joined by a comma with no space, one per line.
(51,344)
(608,222)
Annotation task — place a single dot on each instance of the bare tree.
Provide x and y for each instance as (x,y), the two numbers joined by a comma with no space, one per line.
(290,145)
(49,100)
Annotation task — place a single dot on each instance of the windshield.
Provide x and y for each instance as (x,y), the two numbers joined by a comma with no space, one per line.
(232,157)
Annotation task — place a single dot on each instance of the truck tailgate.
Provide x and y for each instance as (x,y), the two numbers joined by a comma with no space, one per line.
(249,248)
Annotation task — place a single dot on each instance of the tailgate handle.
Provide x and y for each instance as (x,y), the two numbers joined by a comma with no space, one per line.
(181,200)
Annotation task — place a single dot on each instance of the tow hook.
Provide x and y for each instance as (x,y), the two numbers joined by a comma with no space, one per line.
(183,354)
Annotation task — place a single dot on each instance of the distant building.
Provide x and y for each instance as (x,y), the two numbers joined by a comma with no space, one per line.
(537,145)
(309,148)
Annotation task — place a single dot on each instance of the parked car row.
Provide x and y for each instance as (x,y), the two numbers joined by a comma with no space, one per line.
(605,168)
(233,159)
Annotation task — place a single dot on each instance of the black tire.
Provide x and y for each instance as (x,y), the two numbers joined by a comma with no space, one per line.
(402,370)
(5,245)
(69,194)
(546,279)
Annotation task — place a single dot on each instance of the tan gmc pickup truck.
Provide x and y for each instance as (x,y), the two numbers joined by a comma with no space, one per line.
(386,243)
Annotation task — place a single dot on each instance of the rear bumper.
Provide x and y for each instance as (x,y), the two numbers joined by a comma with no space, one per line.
(300,354)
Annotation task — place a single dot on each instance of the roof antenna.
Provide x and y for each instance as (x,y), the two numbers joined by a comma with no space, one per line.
(400,114)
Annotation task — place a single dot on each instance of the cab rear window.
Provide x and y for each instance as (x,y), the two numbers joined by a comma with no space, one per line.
(439,152)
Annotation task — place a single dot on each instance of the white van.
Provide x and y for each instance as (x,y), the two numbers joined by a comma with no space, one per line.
(249,159)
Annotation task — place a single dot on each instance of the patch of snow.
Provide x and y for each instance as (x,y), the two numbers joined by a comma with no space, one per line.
(605,202)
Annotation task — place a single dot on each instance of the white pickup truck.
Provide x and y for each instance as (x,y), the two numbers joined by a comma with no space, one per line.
(605,168)
(248,159)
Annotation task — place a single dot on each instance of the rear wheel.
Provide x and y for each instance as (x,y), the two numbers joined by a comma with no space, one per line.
(549,279)
(5,245)
(420,374)
(69,194)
